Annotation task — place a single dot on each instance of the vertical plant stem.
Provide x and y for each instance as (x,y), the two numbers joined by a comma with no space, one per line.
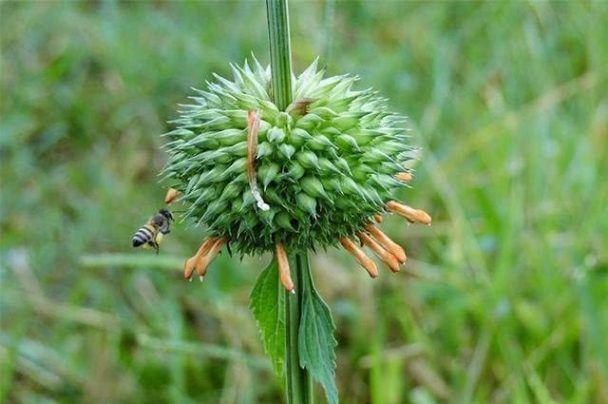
(298,380)
(280,52)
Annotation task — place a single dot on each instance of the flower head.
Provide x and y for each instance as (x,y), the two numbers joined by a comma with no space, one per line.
(314,175)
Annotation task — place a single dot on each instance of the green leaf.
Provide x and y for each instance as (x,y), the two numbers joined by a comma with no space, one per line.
(316,340)
(267,306)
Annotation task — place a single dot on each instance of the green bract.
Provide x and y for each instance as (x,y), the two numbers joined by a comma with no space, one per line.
(324,166)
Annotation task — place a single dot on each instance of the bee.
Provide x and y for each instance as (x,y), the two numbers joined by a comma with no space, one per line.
(151,233)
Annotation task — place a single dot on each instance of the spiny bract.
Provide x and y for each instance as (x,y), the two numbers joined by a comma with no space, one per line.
(324,166)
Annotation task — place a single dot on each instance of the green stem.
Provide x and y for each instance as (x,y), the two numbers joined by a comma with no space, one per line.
(280,52)
(298,380)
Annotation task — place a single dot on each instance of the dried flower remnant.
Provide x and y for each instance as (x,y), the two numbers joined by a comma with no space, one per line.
(253,126)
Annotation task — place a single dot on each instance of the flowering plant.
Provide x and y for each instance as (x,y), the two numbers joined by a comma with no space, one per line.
(266,161)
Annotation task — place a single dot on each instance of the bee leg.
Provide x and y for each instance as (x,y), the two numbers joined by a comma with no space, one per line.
(154,245)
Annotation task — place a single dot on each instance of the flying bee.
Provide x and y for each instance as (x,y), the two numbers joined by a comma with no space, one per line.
(151,233)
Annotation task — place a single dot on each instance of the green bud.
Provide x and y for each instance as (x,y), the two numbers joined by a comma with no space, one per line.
(331,132)
(327,166)
(267,173)
(362,137)
(210,176)
(247,102)
(263,131)
(309,121)
(313,187)
(346,203)
(276,135)
(229,137)
(248,199)
(283,120)
(375,156)
(267,216)
(237,116)
(204,141)
(287,150)
(273,198)
(296,171)
(216,124)
(237,166)
(283,219)
(342,165)
(193,181)
(257,89)
(298,136)
(308,159)
(347,121)
(264,149)
(180,132)
(362,173)
(307,203)
(237,205)
(333,185)
(231,191)
(350,187)
(347,142)
(214,209)
(320,142)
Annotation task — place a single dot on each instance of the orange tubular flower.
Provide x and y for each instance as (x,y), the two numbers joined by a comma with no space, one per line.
(201,266)
(412,215)
(389,259)
(387,243)
(172,195)
(203,257)
(404,176)
(284,272)
(362,259)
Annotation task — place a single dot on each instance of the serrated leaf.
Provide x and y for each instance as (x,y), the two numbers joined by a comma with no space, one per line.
(266,304)
(316,340)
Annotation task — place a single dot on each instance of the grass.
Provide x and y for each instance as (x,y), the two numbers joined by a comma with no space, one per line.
(504,297)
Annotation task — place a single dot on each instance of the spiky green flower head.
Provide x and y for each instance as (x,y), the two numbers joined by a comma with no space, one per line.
(324,166)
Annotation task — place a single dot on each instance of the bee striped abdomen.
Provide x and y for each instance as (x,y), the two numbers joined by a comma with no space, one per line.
(144,235)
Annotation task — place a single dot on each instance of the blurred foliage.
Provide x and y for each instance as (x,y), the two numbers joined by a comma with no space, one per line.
(504,298)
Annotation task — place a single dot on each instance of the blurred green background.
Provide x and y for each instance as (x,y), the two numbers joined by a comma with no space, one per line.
(504,298)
